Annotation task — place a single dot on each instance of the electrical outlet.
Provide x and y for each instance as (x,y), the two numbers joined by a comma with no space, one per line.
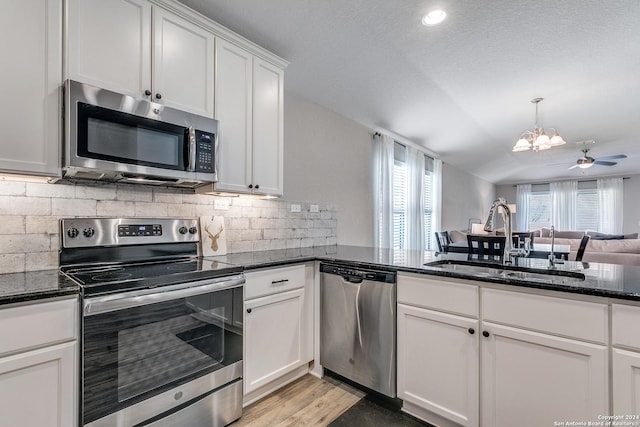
(295,208)
(221,205)
(314,208)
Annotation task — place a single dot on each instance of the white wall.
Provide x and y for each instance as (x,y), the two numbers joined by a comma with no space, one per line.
(328,159)
(464,196)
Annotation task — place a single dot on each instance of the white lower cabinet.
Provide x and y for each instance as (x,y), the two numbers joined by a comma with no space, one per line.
(534,379)
(470,355)
(625,357)
(39,365)
(438,363)
(278,329)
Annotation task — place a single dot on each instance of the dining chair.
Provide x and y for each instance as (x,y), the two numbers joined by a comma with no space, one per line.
(486,245)
(443,240)
(520,237)
(582,247)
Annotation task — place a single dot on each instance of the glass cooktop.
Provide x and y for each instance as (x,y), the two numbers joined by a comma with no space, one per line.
(112,278)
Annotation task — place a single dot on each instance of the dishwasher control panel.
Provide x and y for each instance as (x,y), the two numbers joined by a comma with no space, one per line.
(355,273)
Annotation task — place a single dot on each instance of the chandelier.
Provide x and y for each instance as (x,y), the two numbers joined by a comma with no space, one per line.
(537,139)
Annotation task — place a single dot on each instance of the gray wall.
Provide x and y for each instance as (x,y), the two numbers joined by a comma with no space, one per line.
(328,159)
(464,196)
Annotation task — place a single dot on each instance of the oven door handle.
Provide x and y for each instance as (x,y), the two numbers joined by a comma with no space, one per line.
(108,303)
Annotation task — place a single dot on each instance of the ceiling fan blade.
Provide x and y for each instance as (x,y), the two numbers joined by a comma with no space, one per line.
(616,156)
(574,166)
(602,163)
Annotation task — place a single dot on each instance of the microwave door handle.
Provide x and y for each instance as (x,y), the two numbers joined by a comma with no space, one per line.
(191,167)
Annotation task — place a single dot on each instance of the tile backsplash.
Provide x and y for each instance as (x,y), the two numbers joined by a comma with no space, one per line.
(29,214)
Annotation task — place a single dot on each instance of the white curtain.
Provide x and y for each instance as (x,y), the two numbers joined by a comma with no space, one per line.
(610,205)
(415,239)
(563,204)
(522,207)
(437,201)
(382,191)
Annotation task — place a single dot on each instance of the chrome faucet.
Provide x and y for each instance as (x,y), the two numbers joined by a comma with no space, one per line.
(509,250)
(552,255)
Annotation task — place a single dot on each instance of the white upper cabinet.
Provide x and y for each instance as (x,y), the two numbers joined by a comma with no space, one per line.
(249,106)
(132,47)
(31,51)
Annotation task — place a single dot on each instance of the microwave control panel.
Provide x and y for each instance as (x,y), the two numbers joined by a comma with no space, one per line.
(204,151)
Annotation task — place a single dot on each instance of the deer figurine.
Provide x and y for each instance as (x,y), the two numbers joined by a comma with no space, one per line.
(214,237)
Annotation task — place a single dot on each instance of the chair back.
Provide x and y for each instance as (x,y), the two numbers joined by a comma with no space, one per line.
(443,240)
(520,237)
(486,245)
(583,246)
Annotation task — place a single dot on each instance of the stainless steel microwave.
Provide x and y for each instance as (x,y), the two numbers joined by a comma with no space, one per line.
(119,138)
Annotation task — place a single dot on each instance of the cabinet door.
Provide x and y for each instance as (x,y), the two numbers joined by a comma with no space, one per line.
(31,31)
(534,379)
(44,378)
(274,344)
(183,64)
(109,44)
(626,382)
(268,123)
(233,111)
(438,363)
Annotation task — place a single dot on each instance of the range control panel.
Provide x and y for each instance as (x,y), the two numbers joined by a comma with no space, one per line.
(91,232)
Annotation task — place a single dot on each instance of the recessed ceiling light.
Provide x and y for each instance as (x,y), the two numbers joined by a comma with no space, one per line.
(434,17)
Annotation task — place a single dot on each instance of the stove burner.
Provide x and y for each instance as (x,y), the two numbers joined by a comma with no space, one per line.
(110,276)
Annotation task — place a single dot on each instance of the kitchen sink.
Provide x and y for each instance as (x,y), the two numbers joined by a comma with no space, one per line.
(507,272)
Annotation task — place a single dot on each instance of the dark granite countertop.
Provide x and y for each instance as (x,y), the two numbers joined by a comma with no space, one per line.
(604,280)
(34,285)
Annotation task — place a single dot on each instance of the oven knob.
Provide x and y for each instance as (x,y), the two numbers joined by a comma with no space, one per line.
(193,230)
(89,232)
(182,230)
(73,232)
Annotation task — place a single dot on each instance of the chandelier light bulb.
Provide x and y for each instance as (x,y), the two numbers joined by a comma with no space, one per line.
(521,145)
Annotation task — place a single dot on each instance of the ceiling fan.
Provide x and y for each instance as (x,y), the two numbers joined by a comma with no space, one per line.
(585,161)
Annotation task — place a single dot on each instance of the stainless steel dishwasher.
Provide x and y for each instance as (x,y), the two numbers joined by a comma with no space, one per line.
(358,325)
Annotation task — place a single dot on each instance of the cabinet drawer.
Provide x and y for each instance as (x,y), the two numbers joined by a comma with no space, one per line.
(38,324)
(438,294)
(560,316)
(624,325)
(271,281)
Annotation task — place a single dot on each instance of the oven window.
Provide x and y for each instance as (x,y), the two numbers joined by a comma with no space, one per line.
(132,354)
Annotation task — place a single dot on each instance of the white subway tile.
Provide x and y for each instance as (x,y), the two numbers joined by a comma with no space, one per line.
(41,261)
(203,210)
(240,201)
(306,243)
(233,235)
(238,224)
(134,193)
(261,245)
(42,224)
(36,189)
(151,210)
(197,199)
(12,188)
(241,246)
(12,225)
(12,263)
(292,243)
(331,241)
(251,234)
(18,243)
(167,195)
(73,207)
(118,209)
(251,212)
(97,192)
(181,211)
(277,244)
(19,205)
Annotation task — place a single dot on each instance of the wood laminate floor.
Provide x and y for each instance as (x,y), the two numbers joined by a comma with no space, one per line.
(308,401)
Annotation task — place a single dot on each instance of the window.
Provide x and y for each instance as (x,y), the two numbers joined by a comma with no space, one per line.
(399,196)
(587,209)
(428,201)
(401,202)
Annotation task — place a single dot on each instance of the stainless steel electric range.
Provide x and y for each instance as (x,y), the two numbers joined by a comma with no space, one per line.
(161,327)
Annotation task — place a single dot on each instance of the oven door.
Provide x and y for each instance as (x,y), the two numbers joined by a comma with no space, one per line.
(150,354)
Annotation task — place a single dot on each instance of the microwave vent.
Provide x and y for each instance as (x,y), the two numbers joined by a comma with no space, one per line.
(82,174)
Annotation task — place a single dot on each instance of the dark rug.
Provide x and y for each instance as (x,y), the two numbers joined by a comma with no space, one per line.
(371,412)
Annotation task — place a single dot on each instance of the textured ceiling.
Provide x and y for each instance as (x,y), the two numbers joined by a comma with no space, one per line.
(463,89)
